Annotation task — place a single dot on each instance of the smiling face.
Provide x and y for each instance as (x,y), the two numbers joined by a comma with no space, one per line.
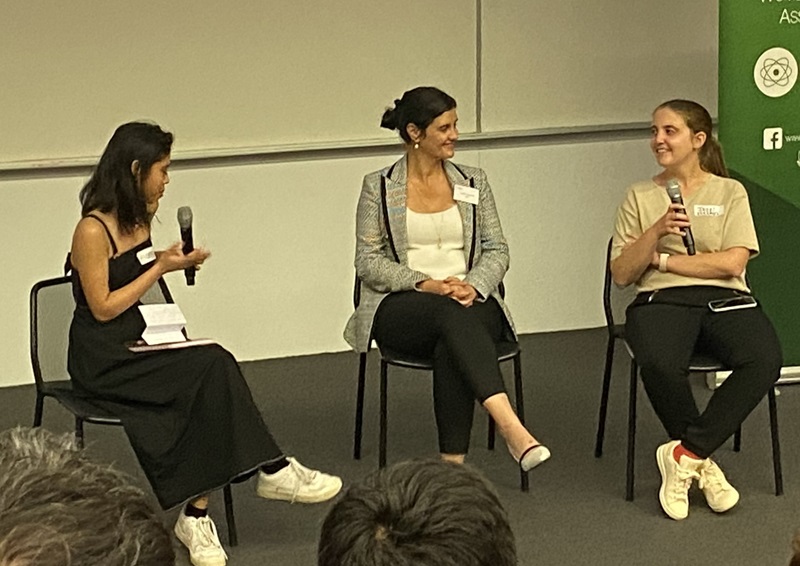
(155,182)
(673,142)
(439,138)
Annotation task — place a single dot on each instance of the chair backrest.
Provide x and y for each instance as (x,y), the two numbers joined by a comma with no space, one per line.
(615,299)
(51,308)
(157,294)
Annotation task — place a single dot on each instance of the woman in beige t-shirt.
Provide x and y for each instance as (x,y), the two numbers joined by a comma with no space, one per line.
(672,315)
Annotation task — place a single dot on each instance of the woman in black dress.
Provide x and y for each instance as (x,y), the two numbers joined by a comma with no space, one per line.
(188,413)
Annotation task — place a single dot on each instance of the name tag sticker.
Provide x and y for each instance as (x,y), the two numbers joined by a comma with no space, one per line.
(709,210)
(146,255)
(465,194)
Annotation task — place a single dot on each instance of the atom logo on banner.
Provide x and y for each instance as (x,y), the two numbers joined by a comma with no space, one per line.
(775,72)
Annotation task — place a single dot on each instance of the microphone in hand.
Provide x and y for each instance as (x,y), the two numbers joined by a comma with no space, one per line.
(185,222)
(674,192)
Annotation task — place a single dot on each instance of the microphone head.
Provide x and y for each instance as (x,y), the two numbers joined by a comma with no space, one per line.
(674,191)
(185,217)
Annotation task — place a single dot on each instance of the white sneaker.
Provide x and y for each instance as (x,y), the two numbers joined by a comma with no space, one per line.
(199,535)
(676,479)
(720,495)
(295,482)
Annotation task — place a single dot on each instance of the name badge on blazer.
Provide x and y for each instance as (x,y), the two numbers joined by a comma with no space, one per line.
(465,194)
(146,255)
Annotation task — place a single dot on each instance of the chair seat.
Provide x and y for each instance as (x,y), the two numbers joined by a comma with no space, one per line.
(703,363)
(698,363)
(51,308)
(505,351)
(78,405)
(615,301)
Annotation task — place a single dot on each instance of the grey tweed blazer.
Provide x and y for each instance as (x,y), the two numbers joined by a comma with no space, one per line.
(382,241)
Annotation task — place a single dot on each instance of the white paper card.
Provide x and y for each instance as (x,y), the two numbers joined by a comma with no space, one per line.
(146,255)
(164,323)
(465,194)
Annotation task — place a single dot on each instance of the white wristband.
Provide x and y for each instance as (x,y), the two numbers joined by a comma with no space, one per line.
(662,262)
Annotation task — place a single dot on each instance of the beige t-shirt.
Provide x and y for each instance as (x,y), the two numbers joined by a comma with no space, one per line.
(720,215)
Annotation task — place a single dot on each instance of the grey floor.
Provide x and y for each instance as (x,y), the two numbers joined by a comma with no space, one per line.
(575,512)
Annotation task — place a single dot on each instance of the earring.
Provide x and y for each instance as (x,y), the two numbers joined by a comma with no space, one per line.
(416,145)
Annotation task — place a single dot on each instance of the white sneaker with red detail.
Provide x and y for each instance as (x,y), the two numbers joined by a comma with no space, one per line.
(676,479)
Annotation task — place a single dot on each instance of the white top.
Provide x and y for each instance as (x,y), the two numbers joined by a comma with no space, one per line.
(436,243)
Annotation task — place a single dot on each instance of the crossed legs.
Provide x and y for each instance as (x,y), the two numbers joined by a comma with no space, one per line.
(461,341)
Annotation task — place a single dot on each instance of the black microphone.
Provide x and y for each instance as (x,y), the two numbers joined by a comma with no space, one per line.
(185,222)
(674,192)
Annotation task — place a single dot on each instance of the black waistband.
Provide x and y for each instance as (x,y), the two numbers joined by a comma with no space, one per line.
(691,296)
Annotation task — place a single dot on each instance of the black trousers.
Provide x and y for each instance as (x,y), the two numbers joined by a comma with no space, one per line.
(665,332)
(460,340)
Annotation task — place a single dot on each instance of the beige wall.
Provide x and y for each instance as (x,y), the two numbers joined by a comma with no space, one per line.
(281,231)
(280,279)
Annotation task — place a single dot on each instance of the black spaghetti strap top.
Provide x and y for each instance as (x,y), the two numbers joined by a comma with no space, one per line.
(122,268)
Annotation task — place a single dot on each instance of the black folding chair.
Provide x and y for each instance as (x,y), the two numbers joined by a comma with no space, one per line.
(506,351)
(614,302)
(51,307)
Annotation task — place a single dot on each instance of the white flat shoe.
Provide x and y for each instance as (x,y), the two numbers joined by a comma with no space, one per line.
(533,456)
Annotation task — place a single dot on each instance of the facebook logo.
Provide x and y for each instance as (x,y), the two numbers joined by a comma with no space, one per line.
(773,138)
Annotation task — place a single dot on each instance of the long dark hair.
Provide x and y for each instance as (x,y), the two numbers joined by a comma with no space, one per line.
(419,106)
(113,186)
(698,119)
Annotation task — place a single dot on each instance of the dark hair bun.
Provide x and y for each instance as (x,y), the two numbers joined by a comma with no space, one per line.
(389,119)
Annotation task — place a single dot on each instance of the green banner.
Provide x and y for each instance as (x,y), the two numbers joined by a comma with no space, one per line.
(759,127)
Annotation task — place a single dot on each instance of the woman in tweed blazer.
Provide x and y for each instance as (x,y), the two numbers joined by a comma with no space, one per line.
(431,254)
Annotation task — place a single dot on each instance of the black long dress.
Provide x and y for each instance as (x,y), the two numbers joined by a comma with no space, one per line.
(188,413)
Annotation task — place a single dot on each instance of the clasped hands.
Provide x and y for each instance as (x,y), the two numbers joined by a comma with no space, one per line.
(453,287)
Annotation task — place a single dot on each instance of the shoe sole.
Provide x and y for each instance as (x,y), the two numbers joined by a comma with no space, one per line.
(316,498)
(662,465)
(724,509)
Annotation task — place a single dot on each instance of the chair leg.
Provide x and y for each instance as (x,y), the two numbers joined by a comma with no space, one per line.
(629,479)
(362,369)
(601,420)
(233,537)
(79,432)
(490,437)
(518,392)
(520,401)
(382,440)
(38,409)
(737,439)
(776,446)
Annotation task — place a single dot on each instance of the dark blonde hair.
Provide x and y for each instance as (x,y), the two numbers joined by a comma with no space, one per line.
(698,119)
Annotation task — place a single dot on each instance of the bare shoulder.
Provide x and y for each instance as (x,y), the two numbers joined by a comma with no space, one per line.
(89,227)
(90,234)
